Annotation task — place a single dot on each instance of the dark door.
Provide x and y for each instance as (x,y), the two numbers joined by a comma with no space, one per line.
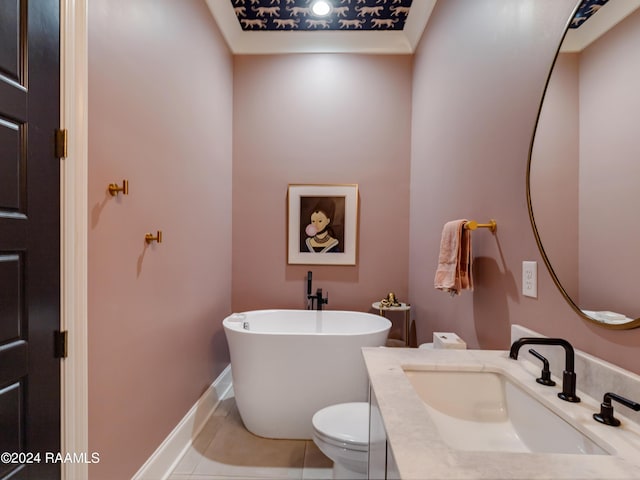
(29,237)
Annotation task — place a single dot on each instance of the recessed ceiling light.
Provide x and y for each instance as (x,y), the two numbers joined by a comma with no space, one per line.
(321,8)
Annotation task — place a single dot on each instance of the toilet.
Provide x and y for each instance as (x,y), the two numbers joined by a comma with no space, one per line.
(341,432)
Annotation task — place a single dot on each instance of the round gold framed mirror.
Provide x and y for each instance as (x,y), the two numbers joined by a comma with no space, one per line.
(584,165)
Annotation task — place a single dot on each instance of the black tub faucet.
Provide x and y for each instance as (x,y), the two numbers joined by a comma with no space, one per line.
(568,375)
(310,298)
(320,300)
(315,300)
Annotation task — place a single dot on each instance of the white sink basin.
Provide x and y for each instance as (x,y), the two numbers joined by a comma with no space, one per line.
(485,411)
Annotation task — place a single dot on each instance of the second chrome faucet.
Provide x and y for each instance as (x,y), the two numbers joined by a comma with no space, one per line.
(568,375)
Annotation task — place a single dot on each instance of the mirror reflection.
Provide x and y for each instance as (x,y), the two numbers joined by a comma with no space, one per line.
(585,164)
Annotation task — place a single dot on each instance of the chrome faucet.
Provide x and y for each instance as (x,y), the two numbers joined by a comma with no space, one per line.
(568,375)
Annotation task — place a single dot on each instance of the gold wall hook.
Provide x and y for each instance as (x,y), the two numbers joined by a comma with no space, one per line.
(472,225)
(114,188)
(149,237)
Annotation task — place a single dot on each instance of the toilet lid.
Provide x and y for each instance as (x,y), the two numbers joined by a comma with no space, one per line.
(345,422)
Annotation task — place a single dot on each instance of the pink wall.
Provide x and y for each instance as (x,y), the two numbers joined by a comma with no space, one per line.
(160,106)
(320,119)
(609,169)
(479,74)
(455,127)
(554,172)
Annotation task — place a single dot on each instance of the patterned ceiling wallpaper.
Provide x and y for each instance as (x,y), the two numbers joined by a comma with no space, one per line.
(586,9)
(255,15)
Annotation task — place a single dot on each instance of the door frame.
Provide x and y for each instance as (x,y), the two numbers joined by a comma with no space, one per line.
(74,230)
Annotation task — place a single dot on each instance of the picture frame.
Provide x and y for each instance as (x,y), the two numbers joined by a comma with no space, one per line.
(322,224)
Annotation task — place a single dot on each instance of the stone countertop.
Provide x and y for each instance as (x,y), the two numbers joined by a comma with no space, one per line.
(421,454)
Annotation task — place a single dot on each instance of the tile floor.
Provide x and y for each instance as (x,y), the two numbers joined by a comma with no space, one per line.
(225,449)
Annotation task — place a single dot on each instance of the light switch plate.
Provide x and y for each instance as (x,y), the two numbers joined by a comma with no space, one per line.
(530,279)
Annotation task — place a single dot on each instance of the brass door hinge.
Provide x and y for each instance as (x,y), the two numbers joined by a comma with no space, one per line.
(61,143)
(60,339)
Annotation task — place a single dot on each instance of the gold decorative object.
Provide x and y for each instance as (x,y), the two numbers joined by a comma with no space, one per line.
(391,304)
(390,301)
(114,188)
(149,237)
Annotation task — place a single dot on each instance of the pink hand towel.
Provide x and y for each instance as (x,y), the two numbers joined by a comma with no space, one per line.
(454,262)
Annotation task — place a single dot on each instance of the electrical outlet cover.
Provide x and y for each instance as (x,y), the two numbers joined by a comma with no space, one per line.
(530,279)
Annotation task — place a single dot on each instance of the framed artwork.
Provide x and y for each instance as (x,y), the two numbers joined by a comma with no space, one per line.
(322,224)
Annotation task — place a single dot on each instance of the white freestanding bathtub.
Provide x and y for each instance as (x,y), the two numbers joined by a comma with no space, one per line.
(288,364)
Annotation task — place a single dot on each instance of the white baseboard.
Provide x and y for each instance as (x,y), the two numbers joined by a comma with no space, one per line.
(162,462)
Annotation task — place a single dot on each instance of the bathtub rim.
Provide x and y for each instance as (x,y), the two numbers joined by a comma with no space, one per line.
(236,325)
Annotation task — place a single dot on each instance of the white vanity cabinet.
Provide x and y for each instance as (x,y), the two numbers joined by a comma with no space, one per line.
(382,465)
(401,422)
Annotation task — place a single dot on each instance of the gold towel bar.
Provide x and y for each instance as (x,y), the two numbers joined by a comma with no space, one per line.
(472,225)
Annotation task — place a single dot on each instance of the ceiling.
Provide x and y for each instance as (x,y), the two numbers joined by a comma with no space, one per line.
(586,9)
(289,26)
(604,16)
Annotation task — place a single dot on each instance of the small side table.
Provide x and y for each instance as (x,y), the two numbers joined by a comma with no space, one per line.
(404,307)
